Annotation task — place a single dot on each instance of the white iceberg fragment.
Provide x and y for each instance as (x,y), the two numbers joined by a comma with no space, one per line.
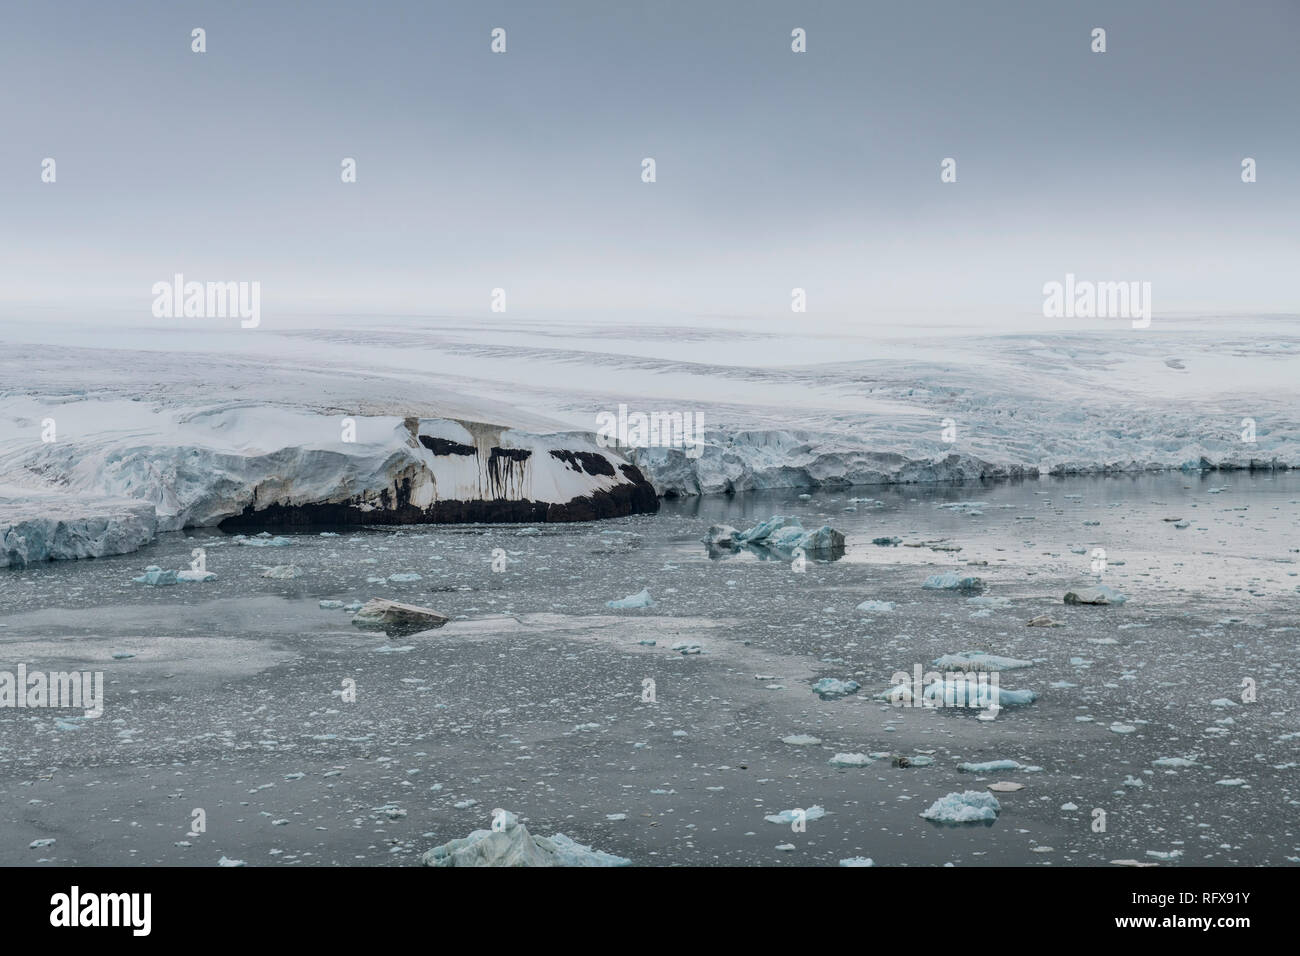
(790,816)
(876,607)
(283,572)
(510,844)
(971,806)
(1179,762)
(1099,594)
(155,576)
(639,600)
(195,577)
(979,661)
(830,688)
(951,581)
(993,766)
(850,760)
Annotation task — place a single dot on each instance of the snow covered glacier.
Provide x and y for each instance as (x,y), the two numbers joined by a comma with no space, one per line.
(351,421)
(145,469)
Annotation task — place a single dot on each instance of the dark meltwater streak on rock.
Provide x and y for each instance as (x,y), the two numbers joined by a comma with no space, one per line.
(638,497)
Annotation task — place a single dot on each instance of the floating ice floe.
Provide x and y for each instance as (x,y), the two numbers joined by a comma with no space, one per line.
(876,607)
(961,693)
(801,740)
(850,760)
(971,806)
(632,601)
(510,844)
(857,861)
(979,661)
(951,581)
(1098,594)
(155,576)
(1162,855)
(330,605)
(903,762)
(721,536)
(1178,762)
(994,766)
(403,578)
(764,529)
(263,540)
(283,572)
(781,535)
(830,688)
(790,816)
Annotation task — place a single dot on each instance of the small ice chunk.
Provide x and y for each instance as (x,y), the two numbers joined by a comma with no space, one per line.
(979,661)
(1098,594)
(876,607)
(993,766)
(195,577)
(850,760)
(830,688)
(1173,762)
(789,816)
(951,581)
(971,806)
(639,600)
(283,572)
(156,577)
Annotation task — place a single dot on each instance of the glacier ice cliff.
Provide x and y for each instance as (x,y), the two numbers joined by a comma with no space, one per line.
(141,469)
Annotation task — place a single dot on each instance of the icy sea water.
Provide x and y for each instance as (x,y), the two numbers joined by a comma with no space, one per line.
(532,698)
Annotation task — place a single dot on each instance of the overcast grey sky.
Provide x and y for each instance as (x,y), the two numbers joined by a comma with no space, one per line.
(775,169)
